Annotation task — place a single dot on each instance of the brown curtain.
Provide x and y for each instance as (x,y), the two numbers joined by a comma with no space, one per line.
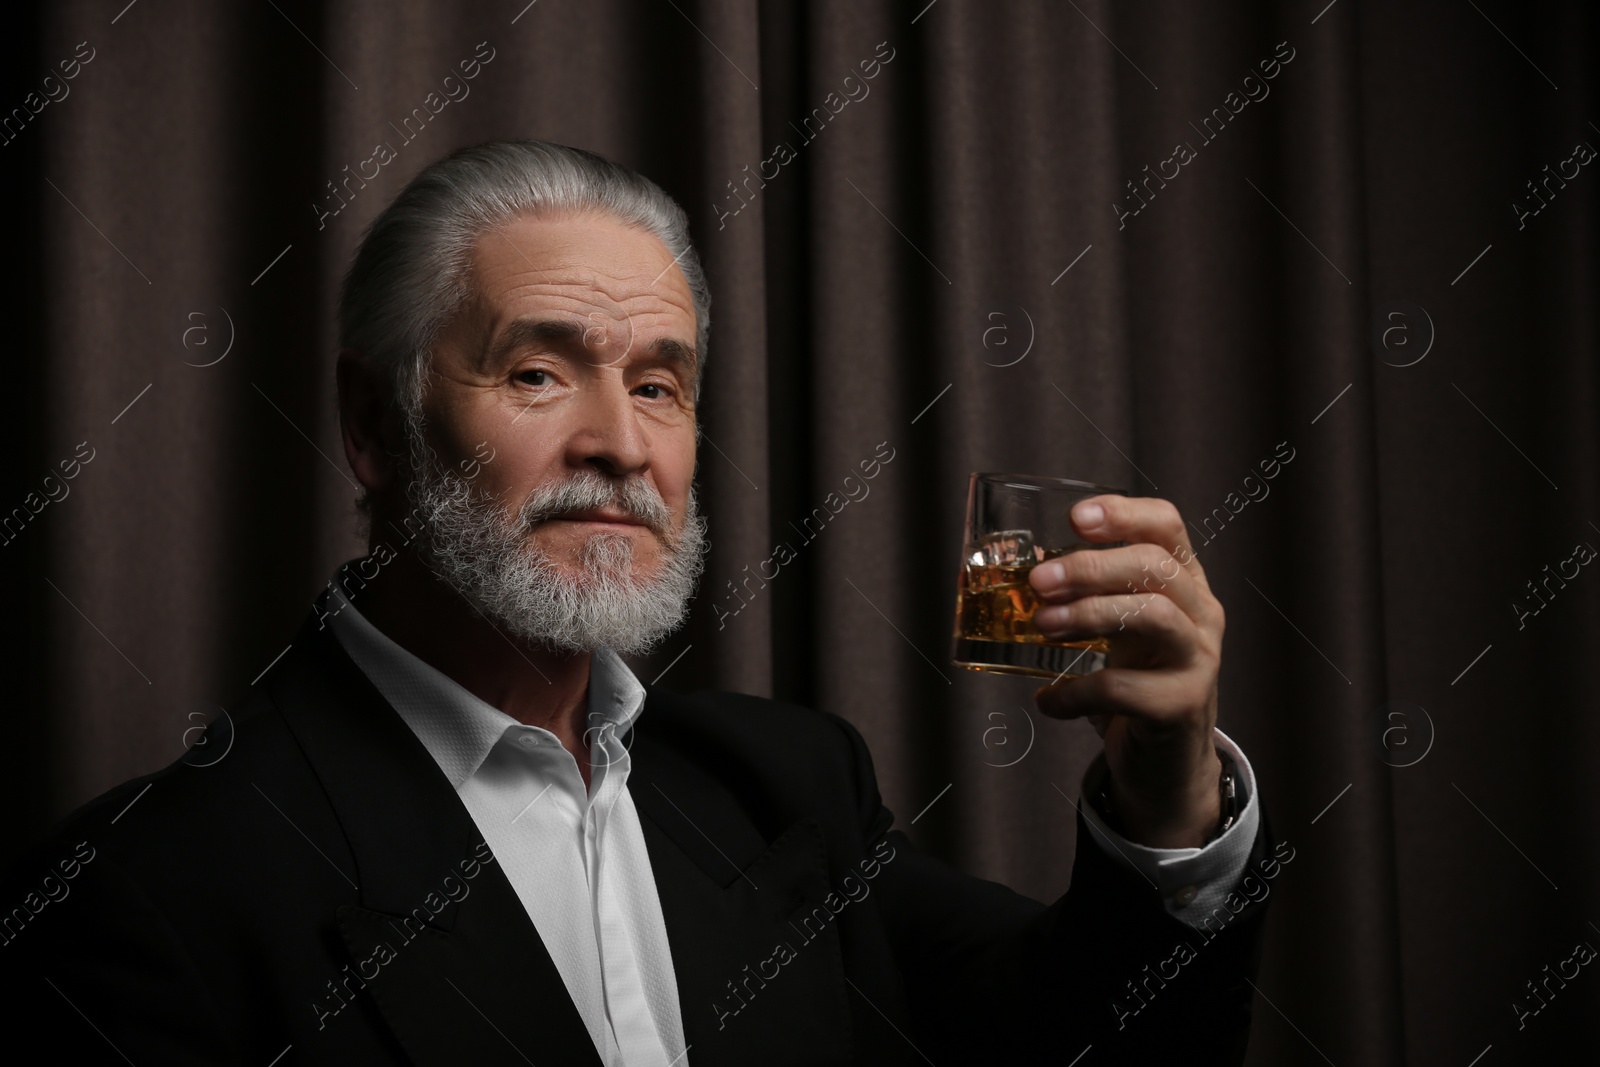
(1348,267)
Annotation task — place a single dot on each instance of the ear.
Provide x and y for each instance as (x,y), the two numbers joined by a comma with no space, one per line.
(368,423)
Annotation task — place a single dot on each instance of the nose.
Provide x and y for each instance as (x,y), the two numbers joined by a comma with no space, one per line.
(608,436)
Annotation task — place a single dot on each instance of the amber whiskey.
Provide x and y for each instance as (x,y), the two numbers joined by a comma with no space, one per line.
(995,606)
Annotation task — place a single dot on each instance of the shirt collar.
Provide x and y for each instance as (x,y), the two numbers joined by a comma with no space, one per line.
(457,727)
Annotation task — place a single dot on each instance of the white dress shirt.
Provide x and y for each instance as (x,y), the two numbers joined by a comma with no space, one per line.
(1193,882)
(577,858)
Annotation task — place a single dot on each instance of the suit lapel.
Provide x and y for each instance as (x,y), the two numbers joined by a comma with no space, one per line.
(443,947)
(439,940)
(756,982)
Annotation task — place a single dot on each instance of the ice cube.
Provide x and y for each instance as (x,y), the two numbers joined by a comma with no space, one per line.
(1002,548)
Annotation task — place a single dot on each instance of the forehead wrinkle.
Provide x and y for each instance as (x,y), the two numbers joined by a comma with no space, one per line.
(569,256)
(571,259)
(559,274)
(614,287)
(671,312)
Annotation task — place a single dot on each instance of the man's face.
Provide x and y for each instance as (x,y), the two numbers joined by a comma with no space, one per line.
(573,365)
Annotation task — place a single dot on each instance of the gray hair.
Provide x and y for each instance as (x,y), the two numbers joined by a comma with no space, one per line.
(409,275)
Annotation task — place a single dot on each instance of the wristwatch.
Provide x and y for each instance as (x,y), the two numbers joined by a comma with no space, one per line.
(1227,786)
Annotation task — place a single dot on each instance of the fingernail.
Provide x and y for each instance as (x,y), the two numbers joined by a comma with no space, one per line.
(1048,577)
(1052,618)
(1088,515)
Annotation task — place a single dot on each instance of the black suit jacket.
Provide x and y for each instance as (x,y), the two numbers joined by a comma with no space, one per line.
(311,886)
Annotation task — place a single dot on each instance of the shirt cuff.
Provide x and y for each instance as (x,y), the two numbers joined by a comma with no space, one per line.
(1192,881)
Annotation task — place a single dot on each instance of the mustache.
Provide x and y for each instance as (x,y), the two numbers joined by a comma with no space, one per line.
(633,496)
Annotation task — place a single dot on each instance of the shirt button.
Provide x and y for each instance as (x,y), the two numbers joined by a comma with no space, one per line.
(1184,897)
(528,739)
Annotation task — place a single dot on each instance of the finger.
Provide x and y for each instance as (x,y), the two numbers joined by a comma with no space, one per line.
(1172,633)
(1137,519)
(1145,694)
(1142,569)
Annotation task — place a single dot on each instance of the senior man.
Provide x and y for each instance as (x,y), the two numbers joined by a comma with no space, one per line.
(450,826)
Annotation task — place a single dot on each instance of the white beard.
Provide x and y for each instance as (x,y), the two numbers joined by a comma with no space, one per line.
(474,546)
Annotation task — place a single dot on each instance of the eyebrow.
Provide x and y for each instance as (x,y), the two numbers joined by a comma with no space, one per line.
(566,333)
